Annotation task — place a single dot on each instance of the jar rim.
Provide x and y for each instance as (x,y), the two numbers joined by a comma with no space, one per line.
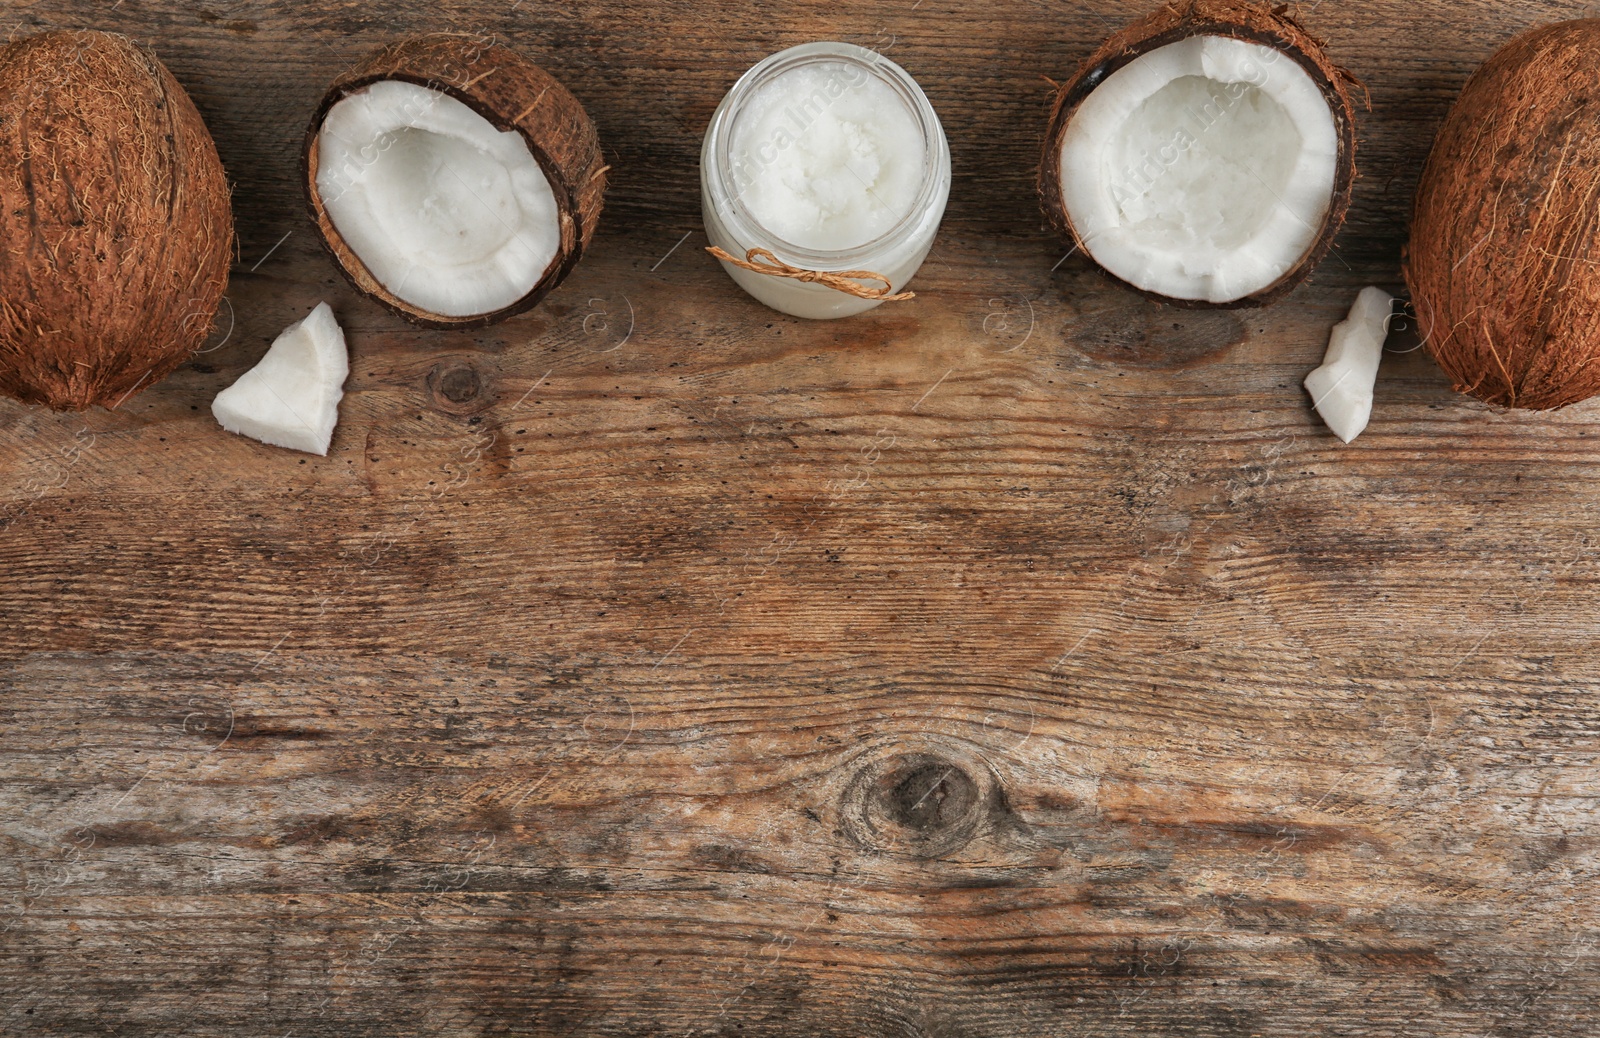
(718,151)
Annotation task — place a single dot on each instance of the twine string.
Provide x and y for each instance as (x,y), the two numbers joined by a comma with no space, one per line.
(846,281)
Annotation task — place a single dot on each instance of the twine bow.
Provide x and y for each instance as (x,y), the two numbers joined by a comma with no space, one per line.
(846,281)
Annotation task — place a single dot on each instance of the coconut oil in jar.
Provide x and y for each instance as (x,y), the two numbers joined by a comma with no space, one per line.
(829,159)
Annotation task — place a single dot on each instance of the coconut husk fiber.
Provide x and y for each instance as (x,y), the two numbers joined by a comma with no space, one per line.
(115,219)
(1504,257)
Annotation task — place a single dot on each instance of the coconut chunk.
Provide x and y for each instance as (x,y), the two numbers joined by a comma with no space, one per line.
(1341,390)
(1203,170)
(449,214)
(291,398)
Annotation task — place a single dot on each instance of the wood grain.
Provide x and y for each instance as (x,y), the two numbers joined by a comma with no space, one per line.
(1024,659)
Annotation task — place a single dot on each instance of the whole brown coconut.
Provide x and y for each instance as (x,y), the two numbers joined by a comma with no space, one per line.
(115,219)
(1504,259)
(1176,22)
(513,95)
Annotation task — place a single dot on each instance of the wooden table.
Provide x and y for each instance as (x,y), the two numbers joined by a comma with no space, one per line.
(1025,659)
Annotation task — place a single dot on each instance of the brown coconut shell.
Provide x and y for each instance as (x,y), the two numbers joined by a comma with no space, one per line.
(512,93)
(115,220)
(1177,21)
(1504,258)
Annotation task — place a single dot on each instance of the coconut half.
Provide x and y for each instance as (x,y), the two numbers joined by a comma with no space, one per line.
(1205,155)
(453,180)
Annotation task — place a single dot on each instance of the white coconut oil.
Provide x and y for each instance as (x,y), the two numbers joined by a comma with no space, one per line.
(830,157)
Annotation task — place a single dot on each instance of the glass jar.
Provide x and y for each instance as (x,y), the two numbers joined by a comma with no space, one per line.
(896,253)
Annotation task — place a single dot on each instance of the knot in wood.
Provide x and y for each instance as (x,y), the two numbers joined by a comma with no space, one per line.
(456,385)
(931,796)
(922,804)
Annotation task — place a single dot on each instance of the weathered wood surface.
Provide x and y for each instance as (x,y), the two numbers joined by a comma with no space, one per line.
(1021,660)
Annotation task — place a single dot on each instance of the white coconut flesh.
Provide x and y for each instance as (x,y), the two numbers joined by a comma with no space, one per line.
(291,398)
(1342,388)
(449,214)
(1202,170)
